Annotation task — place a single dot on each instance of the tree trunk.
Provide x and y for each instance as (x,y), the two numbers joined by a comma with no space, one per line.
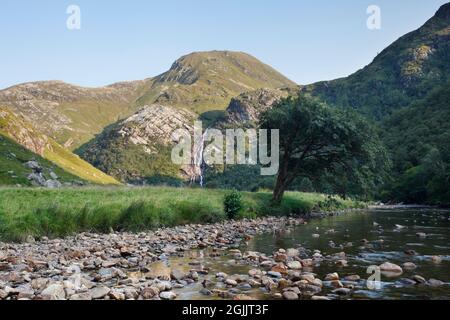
(279,190)
(280,186)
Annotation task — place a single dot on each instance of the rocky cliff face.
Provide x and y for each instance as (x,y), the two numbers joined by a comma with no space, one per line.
(154,125)
(247,107)
(146,136)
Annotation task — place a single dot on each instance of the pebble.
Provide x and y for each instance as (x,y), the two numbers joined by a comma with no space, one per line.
(391,267)
(54,292)
(295,265)
(290,295)
(332,276)
(99,292)
(409,266)
(168,295)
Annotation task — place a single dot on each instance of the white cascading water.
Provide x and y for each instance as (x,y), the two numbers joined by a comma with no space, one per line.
(198,158)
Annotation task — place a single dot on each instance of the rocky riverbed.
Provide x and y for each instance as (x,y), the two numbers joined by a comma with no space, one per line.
(174,262)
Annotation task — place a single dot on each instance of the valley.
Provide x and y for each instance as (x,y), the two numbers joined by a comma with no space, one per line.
(93,206)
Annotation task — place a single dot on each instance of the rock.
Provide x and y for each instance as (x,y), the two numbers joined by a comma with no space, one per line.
(53,175)
(150,292)
(52,184)
(205,292)
(109,263)
(319,298)
(242,297)
(116,295)
(435,283)
(294,265)
(292,252)
(332,276)
(99,292)
(307,262)
(85,296)
(280,267)
(280,257)
(37,179)
(33,165)
(3,294)
(421,234)
(308,277)
(342,291)
(290,295)
(315,235)
(419,279)
(255,273)
(266,264)
(54,292)
(342,263)
(168,295)
(24,292)
(131,293)
(231,282)
(221,275)
(391,267)
(411,252)
(177,274)
(409,266)
(353,277)
(244,287)
(436,259)
(274,274)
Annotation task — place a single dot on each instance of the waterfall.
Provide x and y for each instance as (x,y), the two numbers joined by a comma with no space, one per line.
(198,162)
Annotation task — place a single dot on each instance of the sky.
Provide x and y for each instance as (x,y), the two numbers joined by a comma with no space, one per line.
(306,40)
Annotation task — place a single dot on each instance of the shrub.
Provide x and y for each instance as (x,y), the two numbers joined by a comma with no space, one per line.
(233,204)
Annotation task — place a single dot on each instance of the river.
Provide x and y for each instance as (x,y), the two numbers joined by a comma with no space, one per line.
(370,237)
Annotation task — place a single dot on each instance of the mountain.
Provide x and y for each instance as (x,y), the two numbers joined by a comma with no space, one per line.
(138,148)
(419,137)
(206,81)
(70,114)
(404,72)
(33,144)
(201,82)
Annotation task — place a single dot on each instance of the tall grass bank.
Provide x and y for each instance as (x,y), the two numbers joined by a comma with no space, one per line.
(26,213)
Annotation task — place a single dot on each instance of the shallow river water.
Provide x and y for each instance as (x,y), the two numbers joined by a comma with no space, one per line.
(391,234)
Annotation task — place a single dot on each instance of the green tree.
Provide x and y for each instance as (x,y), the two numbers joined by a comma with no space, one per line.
(316,140)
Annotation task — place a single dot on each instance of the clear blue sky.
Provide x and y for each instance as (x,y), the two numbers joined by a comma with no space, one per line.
(307,40)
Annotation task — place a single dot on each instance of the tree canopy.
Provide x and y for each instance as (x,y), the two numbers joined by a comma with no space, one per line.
(317,141)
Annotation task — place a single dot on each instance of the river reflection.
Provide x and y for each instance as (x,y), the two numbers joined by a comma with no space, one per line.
(370,237)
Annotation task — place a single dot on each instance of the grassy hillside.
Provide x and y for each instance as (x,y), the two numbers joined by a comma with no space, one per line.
(12,169)
(54,213)
(21,132)
(404,72)
(206,81)
(201,82)
(70,114)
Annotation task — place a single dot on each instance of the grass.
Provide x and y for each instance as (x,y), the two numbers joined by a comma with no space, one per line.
(12,169)
(59,213)
(12,127)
